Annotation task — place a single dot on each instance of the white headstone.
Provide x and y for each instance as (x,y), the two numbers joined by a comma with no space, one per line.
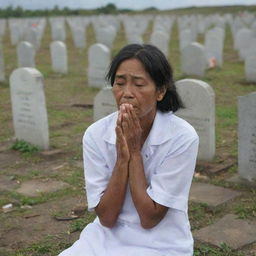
(2,27)
(104,103)
(16,31)
(243,38)
(161,41)
(106,35)
(247,136)
(214,46)
(199,101)
(185,38)
(99,60)
(58,31)
(79,37)
(29,107)
(25,54)
(250,66)
(193,59)
(32,36)
(2,68)
(59,57)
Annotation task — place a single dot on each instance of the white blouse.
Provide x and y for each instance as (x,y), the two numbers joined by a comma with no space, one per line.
(169,156)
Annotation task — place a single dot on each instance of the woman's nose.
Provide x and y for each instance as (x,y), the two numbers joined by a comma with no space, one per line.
(128,92)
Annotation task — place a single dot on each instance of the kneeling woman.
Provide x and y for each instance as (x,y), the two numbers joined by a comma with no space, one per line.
(139,163)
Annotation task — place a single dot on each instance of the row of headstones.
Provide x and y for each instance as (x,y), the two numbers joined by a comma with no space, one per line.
(212,50)
(31,122)
(59,57)
(244,43)
(195,58)
(134,25)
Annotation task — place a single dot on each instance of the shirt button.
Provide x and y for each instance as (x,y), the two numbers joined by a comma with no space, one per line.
(146,156)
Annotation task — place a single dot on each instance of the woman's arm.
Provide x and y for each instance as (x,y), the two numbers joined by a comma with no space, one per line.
(111,202)
(150,212)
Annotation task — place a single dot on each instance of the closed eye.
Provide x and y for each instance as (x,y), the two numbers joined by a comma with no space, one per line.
(119,83)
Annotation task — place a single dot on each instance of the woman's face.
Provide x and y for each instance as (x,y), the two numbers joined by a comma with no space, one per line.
(134,85)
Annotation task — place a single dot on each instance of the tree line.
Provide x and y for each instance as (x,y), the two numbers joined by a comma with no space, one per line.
(18,11)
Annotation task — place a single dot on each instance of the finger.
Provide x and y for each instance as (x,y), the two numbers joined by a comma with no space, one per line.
(125,124)
(135,119)
(119,119)
(132,117)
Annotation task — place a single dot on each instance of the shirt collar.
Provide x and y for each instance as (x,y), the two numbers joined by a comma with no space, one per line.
(161,129)
(159,133)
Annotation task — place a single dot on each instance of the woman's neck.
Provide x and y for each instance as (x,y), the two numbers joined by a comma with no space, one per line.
(146,124)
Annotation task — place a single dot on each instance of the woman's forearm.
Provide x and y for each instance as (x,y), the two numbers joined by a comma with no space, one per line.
(150,212)
(112,200)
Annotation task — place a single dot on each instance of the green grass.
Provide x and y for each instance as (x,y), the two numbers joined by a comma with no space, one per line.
(81,223)
(24,147)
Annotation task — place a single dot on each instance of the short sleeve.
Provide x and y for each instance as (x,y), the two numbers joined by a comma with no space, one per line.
(96,171)
(171,181)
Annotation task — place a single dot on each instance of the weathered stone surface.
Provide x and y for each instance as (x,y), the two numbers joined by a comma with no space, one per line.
(212,195)
(237,179)
(230,230)
(104,104)
(25,54)
(28,107)
(2,66)
(36,187)
(98,62)
(247,136)
(198,98)
(193,59)
(59,57)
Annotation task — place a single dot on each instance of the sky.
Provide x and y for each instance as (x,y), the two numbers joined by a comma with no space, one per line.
(131,4)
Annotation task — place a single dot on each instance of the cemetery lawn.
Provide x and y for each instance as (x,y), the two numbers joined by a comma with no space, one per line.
(46,220)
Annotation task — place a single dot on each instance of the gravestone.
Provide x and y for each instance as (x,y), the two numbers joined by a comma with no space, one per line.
(59,57)
(104,104)
(185,38)
(25,54)
(98,63)
(199,101)
(79,37)
(193,59)
(247,136)
(214,46)
(2,69)
(29,107)
(242,41)
(58,31)
(106,35)
(250,66)
(161,41)
(32,36)
(16,32)
(2,27)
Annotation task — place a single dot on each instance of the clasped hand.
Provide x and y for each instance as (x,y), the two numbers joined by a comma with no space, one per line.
(128,132)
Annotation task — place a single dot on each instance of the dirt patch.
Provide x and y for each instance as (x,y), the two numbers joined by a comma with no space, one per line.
(33,225)
(8,159)
(36,187)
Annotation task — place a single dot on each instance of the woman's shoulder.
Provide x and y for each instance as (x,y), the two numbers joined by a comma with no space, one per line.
(182,125)
(102,126)
(177,125)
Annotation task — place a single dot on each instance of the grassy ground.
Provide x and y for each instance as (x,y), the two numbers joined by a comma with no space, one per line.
(67,124)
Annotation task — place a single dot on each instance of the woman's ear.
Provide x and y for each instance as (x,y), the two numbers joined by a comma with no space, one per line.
(160,93)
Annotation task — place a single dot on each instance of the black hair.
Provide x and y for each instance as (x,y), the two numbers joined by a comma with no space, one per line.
(156,65)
